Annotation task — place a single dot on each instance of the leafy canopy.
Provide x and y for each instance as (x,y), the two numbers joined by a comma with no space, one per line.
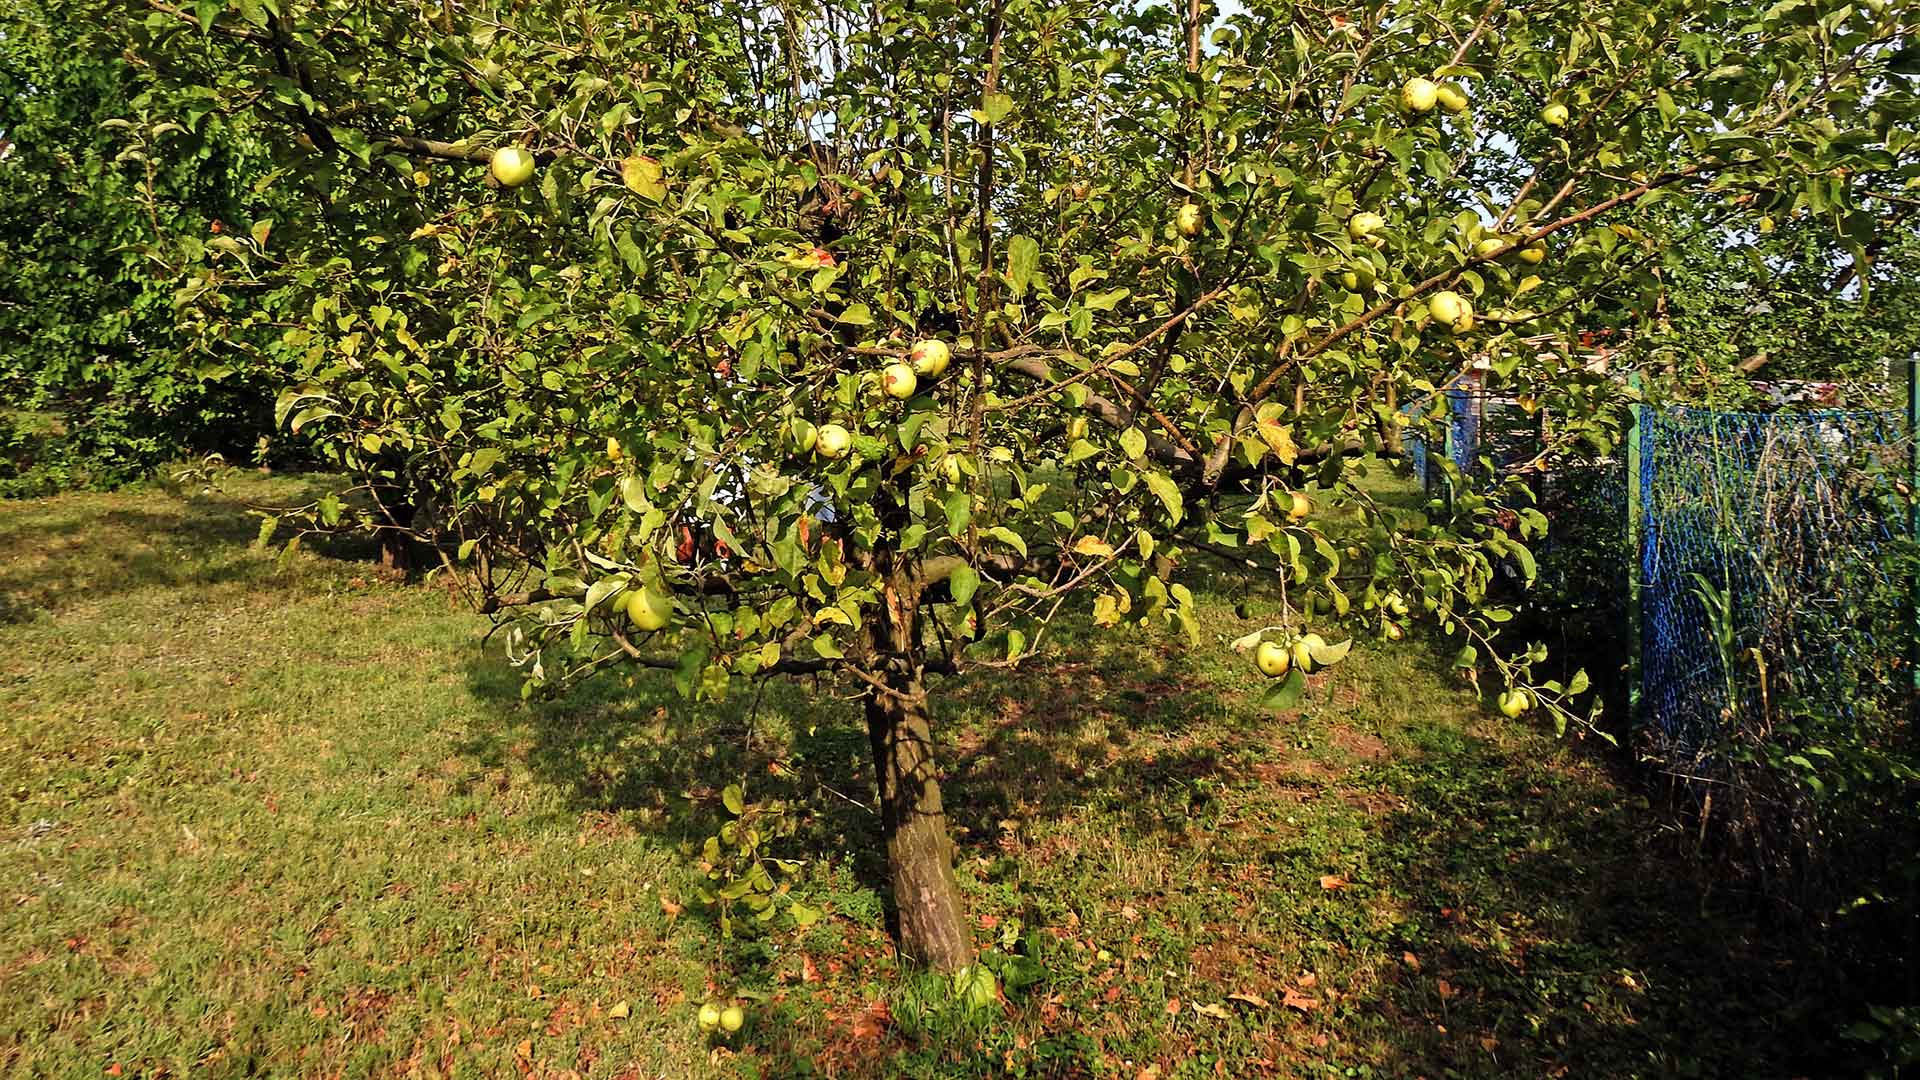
(741,213)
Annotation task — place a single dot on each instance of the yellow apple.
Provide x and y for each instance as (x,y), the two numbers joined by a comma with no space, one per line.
(1298,506)
(1535,253)
(731,1018)
(1364,224)
(1188,220)
(1554,115)
(832,441)
(1272,659)
(649,610)
(1419,95)
(930,357)
(709,1016)
(1452,98)
(1490,247)
(898,381)
(511,165)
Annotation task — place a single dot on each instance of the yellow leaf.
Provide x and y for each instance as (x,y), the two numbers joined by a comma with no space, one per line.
(1279,438)
(620,1011)
(642,175)
(1218,1012)
(1092,545)
(1254,1000)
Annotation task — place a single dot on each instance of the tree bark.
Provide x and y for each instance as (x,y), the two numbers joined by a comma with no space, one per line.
(926,895)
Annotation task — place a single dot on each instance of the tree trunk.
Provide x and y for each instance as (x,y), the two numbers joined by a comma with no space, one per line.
(926,896)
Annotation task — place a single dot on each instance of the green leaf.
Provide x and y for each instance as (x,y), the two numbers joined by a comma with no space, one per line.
(1008,537)
(1168,493)
(996,106)
(1285,694)
(1329,655)
(1023,256)
(633,492)
(958,507)
(734,799)
(605,587)
(964,582)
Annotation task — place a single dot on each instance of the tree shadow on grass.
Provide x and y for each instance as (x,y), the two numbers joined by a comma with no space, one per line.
(1543,932)
(53,550)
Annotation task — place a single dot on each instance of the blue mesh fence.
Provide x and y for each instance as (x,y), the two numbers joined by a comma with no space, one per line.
(1762,561)
(1476,423)
(1781,521)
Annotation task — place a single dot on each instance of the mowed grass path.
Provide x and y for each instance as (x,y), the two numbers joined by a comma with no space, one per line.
(296,821)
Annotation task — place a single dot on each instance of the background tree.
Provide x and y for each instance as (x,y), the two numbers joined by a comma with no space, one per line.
(106,207)
(1186,268)
(1783,301)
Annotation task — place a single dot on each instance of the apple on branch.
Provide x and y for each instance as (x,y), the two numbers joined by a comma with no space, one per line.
(511,166)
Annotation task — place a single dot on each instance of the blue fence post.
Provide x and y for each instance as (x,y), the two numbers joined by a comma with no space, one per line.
(1913,509)
(1635,541)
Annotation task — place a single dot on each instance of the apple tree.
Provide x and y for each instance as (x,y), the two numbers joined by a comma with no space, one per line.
(743,340)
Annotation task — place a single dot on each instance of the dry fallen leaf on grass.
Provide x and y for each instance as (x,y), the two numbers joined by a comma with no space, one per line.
(1293,999)
(1332,881)
(620,1011)
(1254,1000)
(1218,1012)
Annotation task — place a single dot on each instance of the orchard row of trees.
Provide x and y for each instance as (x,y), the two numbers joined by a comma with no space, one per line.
(1181,268)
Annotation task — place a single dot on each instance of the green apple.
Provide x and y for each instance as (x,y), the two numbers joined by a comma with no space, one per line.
(709,1016)
(1358,277)
(1452,97)
(899,381)
(1514,702)
(649,609)
(802,435)
(731,1019)
(1535,253)
(832,442)
(1303,651)
(1188,220)
(930,357)
(511,165)
(1449,307)
(950,468)
(1364,224)
(1419,95)
(1490,246)
(1272,659)
(1554,115)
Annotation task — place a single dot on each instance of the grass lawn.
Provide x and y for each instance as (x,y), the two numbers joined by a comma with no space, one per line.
(297,821)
